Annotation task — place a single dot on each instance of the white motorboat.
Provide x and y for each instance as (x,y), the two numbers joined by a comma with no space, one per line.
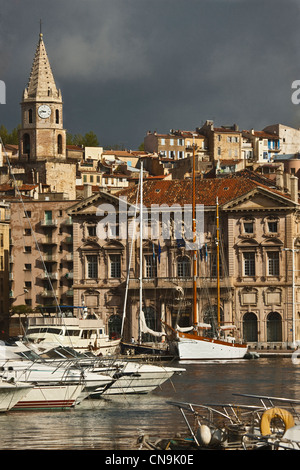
(55,386)
(129,376)
(86,333)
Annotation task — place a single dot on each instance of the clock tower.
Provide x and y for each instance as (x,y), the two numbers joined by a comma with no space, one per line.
(42,136)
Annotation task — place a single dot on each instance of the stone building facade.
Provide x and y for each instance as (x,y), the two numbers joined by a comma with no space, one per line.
(258,223)
(41,255)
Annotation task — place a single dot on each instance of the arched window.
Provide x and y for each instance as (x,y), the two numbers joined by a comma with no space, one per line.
(59,144)
(30,116)
(274,327)
(183,266)
(57,116)
(250,327)
(26,145)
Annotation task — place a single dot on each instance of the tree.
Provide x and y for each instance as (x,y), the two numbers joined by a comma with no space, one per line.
(88,140)
(9,138)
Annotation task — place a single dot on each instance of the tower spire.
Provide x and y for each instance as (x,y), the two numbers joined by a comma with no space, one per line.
(41,82)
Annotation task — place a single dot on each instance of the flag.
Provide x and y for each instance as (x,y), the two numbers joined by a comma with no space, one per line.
(153,250)
(159,252)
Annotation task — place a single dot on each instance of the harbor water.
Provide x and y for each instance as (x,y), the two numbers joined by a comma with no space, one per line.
(117,423)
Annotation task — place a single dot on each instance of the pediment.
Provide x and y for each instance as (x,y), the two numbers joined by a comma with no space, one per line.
(260,199)
(91,205)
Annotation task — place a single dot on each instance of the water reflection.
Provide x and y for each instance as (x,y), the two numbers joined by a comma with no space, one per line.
(116,423)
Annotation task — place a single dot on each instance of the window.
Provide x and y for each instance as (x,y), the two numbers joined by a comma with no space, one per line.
(248,227)
(59,144)
(92,266)
(273,263)
(27,267)
(150,267)
(249,264)
(272,226)
(92,230)
(183,266)
(115,266)
(57,116)
(30,116)
(27,249)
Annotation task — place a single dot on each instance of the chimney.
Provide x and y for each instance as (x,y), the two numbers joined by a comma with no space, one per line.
(87,190)
(279,179)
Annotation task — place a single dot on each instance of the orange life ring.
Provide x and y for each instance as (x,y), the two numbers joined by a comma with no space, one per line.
(275,412)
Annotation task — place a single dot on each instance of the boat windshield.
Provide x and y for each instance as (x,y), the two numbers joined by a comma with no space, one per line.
(30,355)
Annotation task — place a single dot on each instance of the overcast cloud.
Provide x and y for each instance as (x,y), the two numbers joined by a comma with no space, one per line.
(128,66)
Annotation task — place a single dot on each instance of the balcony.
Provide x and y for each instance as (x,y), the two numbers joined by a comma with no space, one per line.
(185,282)
(68,221)
(50,258)
(49,223)
(69,240)
(52,276)
(49,293)
(48,241)
(70,293)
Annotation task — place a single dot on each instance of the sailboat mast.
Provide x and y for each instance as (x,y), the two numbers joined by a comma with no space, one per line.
(218,262)
(195,319)
(141,251)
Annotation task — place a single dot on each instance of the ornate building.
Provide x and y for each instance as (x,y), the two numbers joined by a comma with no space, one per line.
(258,224)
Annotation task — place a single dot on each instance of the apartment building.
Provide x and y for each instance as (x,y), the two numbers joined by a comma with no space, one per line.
(176,145)
(41,254)
(258,223)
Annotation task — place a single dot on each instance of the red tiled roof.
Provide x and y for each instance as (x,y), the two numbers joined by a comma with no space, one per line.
(207,190)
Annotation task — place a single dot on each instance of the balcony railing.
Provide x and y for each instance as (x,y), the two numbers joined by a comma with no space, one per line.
(49,293)
(49,223)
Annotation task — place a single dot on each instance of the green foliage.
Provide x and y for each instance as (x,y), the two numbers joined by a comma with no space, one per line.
(9,137)
(88,140)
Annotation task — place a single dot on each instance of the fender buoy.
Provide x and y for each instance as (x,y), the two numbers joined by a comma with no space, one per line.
(272,413)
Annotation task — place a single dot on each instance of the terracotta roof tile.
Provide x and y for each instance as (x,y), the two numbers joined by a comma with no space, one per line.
(207,190)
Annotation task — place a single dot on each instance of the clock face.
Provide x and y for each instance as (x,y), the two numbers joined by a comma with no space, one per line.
(44,111)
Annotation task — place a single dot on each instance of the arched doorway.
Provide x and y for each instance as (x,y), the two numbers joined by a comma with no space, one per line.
(274,327)
(114,326)
(250,330)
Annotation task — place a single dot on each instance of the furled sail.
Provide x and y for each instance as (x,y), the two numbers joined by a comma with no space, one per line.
(145,329)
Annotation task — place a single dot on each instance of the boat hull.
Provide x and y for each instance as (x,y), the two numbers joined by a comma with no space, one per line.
(50,397)
(194,349)
(141,378)
(11,394)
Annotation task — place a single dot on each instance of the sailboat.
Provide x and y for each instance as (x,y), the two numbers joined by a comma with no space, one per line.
(190,344)
(155,348)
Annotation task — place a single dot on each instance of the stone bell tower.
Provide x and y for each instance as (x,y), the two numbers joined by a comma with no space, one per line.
(41,136)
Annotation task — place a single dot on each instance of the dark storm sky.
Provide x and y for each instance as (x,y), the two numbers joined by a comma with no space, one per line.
(128,66)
